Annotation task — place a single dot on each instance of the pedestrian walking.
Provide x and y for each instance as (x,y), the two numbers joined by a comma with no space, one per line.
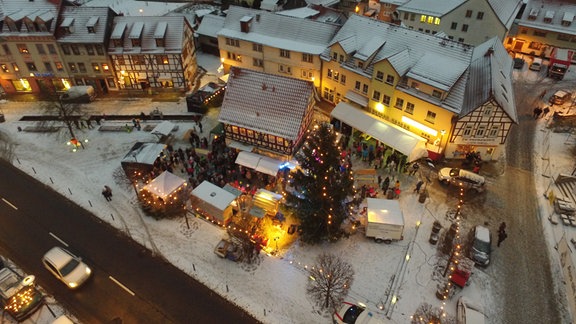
(545,111)
(379,179)
(501,237)
(200,126)
(537,112)
(385,184)
(418,186)
(108,191)
(414,168)
(502,227)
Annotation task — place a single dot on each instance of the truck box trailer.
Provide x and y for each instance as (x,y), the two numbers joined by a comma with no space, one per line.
(560,60)
(385,220)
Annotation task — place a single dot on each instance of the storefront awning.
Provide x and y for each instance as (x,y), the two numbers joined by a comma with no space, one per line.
(259,163)
(240,146)
(399,139)
(357,98)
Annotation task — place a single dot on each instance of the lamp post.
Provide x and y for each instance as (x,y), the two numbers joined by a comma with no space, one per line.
(442,133)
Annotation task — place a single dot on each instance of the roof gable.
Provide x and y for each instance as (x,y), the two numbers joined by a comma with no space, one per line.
(284,32)
(211,25)
(266,103)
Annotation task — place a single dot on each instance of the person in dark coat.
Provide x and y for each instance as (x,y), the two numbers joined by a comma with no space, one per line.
(385,184)
(418,186)
(501,237)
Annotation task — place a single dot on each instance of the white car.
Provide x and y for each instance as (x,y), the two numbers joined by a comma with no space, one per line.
(355,314)
(66,266)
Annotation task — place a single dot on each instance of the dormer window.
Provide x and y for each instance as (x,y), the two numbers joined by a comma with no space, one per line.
(567,19)
(117,35)
(136,34)
(30,25)
(67,25)
(548,17)
(160,33)
(533,14)
(91,24)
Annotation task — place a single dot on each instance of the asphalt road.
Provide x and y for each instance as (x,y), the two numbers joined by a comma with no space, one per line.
(128,284)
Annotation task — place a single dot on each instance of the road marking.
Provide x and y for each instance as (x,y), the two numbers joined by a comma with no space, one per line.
(122,286)
(58,239)
(9,204)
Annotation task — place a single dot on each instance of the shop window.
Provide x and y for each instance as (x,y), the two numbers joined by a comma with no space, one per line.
(31,67)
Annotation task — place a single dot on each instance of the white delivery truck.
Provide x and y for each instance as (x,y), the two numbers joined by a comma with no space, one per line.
(79,94)
(385,220)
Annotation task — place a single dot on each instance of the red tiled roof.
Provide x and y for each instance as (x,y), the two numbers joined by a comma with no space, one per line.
(266,103)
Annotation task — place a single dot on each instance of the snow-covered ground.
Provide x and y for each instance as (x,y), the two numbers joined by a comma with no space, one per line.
(397,277)
(274,290)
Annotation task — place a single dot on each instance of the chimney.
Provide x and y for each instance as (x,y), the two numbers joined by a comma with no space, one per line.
(245,23)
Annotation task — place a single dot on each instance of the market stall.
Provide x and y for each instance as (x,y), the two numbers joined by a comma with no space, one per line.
(213,203)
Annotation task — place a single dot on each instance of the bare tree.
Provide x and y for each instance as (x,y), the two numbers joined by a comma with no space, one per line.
(330,281)
(427,314)
(68,113)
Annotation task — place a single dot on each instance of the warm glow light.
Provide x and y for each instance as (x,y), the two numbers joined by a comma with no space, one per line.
(379,107)
(416,124)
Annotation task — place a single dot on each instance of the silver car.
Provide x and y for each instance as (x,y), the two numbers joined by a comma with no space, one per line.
(67,267)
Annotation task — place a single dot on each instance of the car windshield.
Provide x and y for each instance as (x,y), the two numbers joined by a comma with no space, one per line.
(69,267)
(352,314)
(481,246)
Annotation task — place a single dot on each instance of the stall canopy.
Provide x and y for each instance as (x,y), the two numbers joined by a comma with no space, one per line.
(141,158)
(399,139)
(213,200)
(259,162)
(163,185)
(385,211)
(163,129)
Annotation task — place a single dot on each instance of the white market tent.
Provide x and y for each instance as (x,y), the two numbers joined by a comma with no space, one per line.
(213,202)
(385,211)
(259,162)
(164,185)
(399,139)
(163,129)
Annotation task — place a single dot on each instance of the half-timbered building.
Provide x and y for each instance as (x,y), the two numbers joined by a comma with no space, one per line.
(153,52)
(489,110)
(266,111)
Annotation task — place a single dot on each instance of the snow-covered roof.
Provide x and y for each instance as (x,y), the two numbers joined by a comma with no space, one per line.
(384,211)
(536,11)
(164,184)
(490,77)
(266,103)
(266,28)
(269,5)
(505,10)
(17,10)
(304,12)
(433,60)
(434,8)
(90,24)
(324,3)
(211,25)
(144,153)
(213,195)
(145,29)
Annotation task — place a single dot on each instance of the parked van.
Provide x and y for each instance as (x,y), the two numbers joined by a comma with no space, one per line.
(464,178)
(536,64)
(79,94)
(560,97)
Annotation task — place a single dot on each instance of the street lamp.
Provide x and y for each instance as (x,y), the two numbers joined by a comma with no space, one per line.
(442,133)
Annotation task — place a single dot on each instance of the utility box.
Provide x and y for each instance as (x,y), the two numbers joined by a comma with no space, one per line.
(385,220)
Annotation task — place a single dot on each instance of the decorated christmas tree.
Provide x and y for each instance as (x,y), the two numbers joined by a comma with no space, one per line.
(321,187)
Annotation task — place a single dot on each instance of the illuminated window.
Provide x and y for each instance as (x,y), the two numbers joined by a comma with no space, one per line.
(430,117)
(59,66)
(105,67)
(31,67)
(436,21)
(330,73)
(162,59)
(72,67)
(137,59)
(423,18)
(95,67)
(15,67)
(430,20)
(23,49)
(4,68)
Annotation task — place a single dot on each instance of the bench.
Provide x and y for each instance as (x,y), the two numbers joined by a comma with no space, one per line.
(41,129)
(116,128)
